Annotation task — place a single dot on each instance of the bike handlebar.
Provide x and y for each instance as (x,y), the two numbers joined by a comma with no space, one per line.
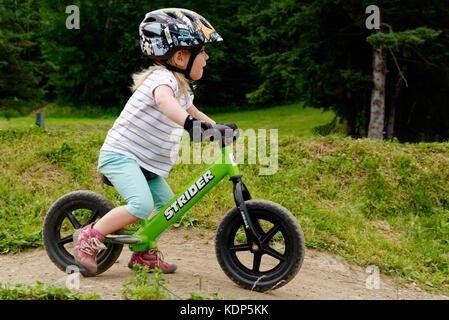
(223,133)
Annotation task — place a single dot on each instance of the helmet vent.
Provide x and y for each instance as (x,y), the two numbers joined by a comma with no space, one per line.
(189,17)
(150,19)
(205,23)
(171,14)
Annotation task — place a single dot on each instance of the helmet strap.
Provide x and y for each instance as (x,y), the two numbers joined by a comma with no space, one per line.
(173,68)
(186,72)
(194,53)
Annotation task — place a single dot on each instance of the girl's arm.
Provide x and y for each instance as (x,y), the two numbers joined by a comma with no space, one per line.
(194,112)
(166,101)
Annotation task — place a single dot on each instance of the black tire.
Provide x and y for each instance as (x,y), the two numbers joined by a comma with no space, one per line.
(70,212)
(284,230)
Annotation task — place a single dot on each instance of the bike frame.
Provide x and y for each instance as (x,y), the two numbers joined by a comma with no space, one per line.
(173,211)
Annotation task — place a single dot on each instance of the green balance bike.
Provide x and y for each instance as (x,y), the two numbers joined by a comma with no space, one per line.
(259,244)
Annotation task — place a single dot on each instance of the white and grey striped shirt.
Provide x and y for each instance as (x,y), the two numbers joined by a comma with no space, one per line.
(143,132)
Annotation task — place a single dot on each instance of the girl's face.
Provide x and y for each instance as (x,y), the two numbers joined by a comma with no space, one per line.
(181,59)
(200,62)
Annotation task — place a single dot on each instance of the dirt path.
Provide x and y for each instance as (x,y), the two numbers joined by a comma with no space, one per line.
(322,276)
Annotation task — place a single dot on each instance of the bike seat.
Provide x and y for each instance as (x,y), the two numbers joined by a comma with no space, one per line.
(147,174)
(106,180)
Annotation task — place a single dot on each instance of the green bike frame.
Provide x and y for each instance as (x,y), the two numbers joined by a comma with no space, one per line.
(173,211)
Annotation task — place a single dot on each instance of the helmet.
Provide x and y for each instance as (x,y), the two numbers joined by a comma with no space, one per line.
(164,31)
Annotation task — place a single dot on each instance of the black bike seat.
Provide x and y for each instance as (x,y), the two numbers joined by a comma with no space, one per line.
(147,174)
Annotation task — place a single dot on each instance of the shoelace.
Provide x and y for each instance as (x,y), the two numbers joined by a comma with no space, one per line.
(93,248)
(158,254)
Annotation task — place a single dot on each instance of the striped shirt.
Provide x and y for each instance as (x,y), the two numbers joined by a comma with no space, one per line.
(143,132)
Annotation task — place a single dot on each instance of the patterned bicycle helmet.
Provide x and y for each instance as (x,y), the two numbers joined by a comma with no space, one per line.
(164,31)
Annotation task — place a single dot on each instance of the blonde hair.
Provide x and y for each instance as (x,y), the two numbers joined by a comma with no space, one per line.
(141,76)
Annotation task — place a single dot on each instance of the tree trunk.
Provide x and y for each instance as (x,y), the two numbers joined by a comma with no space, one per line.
(377,116)
(393,100)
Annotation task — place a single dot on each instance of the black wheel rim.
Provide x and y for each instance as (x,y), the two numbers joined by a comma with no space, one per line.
(69,218)
(254,269)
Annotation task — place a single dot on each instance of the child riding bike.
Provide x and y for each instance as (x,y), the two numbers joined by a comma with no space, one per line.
(136,154)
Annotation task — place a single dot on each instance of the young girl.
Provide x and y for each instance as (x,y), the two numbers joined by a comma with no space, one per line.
(136,154)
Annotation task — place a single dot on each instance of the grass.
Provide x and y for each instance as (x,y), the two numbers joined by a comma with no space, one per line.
(145,286)
(142,285)
(372,202)
(289,120)
(40,291)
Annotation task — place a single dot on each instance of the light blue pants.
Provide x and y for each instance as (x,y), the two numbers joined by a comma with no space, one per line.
(127,177)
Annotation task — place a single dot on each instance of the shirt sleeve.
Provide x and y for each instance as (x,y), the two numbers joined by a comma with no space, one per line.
(189,102)
(158,78)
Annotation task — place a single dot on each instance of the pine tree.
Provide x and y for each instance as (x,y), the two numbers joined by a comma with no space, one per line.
(22,69)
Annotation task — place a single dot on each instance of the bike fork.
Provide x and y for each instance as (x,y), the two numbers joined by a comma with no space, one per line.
(241,194)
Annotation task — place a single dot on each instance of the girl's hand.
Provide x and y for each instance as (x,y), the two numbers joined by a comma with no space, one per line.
(196,128)
(230,125)
(204,131)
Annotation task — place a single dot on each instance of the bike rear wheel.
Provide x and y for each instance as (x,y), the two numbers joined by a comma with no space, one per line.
(69,213)
(268,266)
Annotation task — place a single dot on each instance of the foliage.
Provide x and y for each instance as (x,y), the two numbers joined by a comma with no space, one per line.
(403,40)
(22,69)
(40,291)
(143,287)
(285,51)
(317,48)
(274,51)
(301,53)
(200,296)
(95,63)
(186,221)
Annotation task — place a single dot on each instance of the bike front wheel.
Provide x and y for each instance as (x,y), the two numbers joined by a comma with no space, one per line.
(69,213)
(272,263)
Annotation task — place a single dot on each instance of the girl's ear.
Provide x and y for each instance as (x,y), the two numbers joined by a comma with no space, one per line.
(177,56)
(180,58)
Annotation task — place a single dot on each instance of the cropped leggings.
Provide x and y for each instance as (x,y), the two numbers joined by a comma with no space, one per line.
(141,196)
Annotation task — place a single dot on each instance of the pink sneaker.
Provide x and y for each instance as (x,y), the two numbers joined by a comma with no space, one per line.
(152,259)
(88,242)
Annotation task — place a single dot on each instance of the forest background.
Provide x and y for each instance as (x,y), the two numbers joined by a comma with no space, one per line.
(275,52)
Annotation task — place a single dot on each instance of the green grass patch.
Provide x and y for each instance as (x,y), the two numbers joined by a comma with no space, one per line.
(294,119)
(372,202)
(58,111)
(40,291)
(143,285)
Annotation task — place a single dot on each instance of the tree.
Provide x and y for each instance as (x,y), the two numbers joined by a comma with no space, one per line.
(22,69)
(394,42)
(377,107)
(319,51)
(312,50)
(95,63)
